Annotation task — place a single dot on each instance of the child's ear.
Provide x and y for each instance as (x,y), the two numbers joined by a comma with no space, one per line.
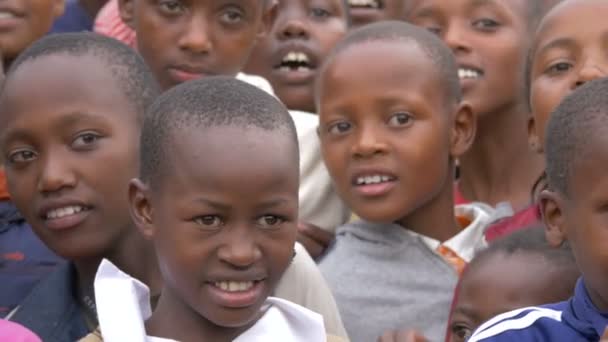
(126,10)
(140,208)
(58,8)
(533,138)
(268,18)
(463,129)
(551,204)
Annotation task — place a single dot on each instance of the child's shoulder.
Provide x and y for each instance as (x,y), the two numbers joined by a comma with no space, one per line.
(528,324)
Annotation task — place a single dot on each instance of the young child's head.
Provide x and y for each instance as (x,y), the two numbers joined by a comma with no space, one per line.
(574,207)
(391,121)
(517,271)
(490,40)
(183,40)
(23,22)
(302,35)
(564,56)
(218,194)
(364,12)
(70,114)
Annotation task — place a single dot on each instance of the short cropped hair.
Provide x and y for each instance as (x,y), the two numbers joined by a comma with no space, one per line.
(573,127)
(529,240)
(207,103)
(128,69)
(400,32)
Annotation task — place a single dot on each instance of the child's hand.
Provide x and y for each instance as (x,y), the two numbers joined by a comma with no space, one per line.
(604,337)
(402,336)
(314,239)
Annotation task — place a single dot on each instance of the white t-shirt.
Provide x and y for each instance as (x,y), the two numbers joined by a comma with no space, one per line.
(123,305)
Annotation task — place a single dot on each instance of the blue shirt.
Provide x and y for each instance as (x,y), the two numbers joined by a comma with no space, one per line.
(74,19)
(51,309)
(574,320)
(24,259)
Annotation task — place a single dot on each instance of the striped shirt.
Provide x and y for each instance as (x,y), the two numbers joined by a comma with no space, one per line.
(574,320)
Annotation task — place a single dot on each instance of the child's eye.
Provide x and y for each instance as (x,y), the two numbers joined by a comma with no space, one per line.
(21,156)
(320,12)
(339,128)
(208,221)
(462,332)
(400,119)
(558,68)
(485,24)
(270,221)
(85,140)
(171,6)
(232,16)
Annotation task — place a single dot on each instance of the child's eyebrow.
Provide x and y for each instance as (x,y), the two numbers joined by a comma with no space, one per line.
(563,42)
(481,3)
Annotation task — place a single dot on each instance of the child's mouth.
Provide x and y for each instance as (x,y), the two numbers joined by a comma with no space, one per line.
(365,4)
(296,67)
(296,61)
(373,185)
(236,294)
(465,73)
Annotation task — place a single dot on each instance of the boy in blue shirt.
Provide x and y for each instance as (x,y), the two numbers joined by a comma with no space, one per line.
(574,210)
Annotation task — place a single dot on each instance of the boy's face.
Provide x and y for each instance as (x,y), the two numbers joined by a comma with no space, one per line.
(368,11)
(69,152)
(223,239)
(302,35)
(581,217)
(567,55)
(24,21)
(502,283)
(489,40)
(385,129)
(183,40)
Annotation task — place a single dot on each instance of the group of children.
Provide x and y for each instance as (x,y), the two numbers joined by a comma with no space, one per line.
(304,170)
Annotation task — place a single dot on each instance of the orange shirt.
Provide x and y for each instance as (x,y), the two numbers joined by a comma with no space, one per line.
(3,187)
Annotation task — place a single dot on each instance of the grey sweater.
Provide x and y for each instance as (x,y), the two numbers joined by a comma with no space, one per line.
(384,278)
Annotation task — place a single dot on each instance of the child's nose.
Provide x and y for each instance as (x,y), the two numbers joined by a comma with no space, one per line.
(195,37)
(455,37)
(369,143)
(55,175)
(589,72)
(240,250)
(293,28)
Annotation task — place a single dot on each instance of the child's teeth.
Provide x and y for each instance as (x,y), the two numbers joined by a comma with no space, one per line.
(364,3)
(6,15)
(62,212)
(375,179)
(234,286)
(467,73)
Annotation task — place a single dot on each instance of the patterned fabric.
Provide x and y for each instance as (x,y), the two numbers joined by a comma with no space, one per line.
(452,258)
(110,24)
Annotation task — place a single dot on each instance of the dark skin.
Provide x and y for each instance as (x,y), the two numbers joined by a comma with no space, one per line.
(386,10)
(501,283)
(61,141)
(367,111)
(490,40)
(31,20)
(209,224)
(307,27)
(577,215)
(560,68)
(183,40)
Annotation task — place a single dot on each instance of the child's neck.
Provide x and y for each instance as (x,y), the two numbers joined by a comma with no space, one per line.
(435,219)
(176,320)
(500,166)
(133,255)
